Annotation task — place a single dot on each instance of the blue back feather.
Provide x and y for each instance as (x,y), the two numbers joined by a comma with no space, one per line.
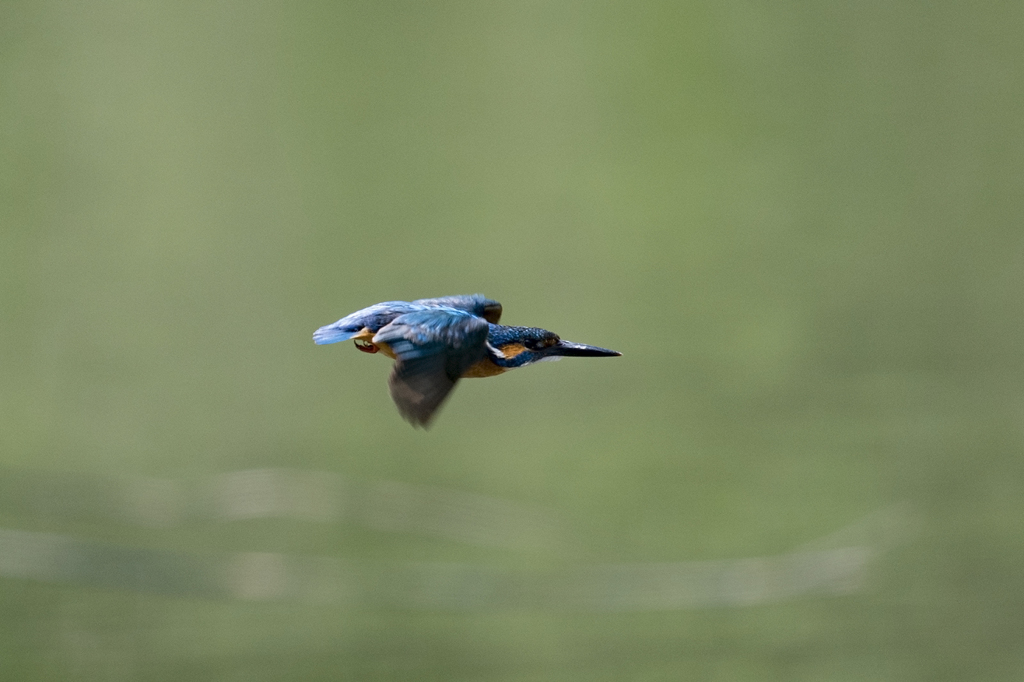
(380,315)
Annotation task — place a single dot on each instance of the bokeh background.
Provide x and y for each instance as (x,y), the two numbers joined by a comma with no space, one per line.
(800,222)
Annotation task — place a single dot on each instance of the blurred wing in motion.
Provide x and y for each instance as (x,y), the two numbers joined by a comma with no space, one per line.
(432,348)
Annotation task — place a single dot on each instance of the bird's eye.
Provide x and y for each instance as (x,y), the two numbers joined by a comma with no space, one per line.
(541,344)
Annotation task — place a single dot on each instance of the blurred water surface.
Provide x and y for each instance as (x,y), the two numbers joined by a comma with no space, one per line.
(800,223)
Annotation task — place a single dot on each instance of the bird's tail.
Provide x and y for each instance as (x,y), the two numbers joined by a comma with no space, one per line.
(333,334)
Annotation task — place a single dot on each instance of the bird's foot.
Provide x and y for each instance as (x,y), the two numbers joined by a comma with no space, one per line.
(366,347)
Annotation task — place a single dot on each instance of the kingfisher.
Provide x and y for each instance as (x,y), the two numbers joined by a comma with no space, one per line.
(437,341)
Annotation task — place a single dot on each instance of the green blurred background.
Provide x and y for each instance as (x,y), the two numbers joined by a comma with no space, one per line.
(800,222)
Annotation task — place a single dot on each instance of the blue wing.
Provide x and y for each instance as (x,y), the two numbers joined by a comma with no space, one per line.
(433,348)
(372,319)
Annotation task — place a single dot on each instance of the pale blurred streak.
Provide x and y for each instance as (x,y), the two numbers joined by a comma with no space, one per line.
(264,576)
(740,582)
(292,494)
(278,493)
(837,564)
(53,558)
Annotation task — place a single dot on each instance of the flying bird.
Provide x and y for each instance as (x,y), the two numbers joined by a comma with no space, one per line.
(437,341)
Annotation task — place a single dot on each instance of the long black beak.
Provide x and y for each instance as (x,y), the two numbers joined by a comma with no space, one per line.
(580,350)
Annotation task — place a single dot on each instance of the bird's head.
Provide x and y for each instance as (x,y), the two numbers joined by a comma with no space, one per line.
(521,346)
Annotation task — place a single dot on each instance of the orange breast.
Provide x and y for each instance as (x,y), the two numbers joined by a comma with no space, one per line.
(482,369)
